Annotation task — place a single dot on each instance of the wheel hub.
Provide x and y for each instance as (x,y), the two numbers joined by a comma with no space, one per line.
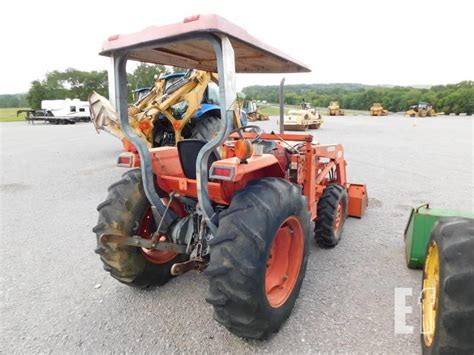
(339,216)
(430,294)
(284,262)
(145,230)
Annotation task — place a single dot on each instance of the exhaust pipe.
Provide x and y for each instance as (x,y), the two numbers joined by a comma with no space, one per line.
(282,107)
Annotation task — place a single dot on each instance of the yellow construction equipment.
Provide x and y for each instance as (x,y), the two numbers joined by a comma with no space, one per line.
(422,109)
(334,109)
(302,119)
(253,113)
(377,110)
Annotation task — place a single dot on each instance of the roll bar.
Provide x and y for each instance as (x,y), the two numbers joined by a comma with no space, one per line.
(118,93)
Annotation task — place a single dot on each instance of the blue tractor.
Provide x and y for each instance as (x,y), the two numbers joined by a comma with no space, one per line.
(203,125)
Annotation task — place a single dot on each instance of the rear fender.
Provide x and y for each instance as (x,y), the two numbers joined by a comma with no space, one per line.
(170,176)
(207,108)
(215,110)
(232,170)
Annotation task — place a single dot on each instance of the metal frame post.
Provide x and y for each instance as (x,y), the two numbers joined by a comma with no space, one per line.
(226,71)
(118,95)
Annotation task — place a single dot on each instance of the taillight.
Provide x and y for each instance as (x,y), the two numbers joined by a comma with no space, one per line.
(222,173)
(126,160)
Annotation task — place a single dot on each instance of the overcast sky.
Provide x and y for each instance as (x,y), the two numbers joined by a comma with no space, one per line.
(396,42)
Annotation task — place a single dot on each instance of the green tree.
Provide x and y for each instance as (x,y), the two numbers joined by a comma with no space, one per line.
(15,100)
(179,70)
(144,75)
(36,94)
(71,83)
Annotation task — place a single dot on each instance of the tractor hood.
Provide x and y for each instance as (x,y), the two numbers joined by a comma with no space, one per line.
(179,45)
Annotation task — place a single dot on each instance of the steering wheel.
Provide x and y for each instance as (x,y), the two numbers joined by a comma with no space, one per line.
(256,129)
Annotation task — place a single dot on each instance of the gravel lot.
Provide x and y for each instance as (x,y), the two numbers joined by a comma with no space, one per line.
(53,177)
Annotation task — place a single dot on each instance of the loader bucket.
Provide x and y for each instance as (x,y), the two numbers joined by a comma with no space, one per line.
(418,230)
(103,115)
(358,200)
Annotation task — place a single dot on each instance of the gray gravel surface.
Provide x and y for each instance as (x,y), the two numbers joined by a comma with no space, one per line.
(53,177)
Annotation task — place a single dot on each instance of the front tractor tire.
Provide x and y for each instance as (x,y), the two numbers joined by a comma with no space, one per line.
(447,301)
(258,258)
(332,214)
(206,127)
(127,212)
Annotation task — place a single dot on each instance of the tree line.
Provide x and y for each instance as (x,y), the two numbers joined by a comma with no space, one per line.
(453,98)
(73,83)
(13,100)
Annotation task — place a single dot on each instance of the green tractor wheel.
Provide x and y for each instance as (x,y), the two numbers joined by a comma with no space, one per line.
(447,301)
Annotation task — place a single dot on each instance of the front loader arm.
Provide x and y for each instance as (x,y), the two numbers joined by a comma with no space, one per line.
(192,92)
(143,113)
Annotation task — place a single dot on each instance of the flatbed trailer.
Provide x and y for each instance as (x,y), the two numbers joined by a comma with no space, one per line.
(38,115)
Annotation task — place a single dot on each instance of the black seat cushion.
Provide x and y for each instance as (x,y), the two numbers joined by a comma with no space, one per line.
(188,150)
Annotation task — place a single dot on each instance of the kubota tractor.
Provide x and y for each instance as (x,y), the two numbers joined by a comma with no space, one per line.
(240,207)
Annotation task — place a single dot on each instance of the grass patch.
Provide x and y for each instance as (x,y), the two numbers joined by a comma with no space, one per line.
(9,115)
(273,110)
(269,110)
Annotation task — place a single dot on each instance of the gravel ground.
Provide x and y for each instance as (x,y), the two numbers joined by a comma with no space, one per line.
(53,177)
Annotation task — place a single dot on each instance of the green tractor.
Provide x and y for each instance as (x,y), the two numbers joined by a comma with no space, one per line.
(442,243)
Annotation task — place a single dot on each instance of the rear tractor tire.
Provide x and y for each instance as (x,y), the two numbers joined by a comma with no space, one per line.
(126,211)
(332,214)
(258,258)
(447,301)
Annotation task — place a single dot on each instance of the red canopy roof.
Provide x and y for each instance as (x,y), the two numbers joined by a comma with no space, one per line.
(165,45)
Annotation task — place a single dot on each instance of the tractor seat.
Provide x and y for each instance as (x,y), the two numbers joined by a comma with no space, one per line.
(188,150)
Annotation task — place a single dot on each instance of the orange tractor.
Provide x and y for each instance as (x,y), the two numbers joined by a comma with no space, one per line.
(240,207)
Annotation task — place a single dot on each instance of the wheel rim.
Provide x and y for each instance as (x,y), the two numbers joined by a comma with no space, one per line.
(145,230)
(430,293)
(339,216)
(284,262)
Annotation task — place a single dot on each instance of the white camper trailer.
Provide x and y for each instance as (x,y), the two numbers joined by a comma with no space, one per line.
(60,112)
